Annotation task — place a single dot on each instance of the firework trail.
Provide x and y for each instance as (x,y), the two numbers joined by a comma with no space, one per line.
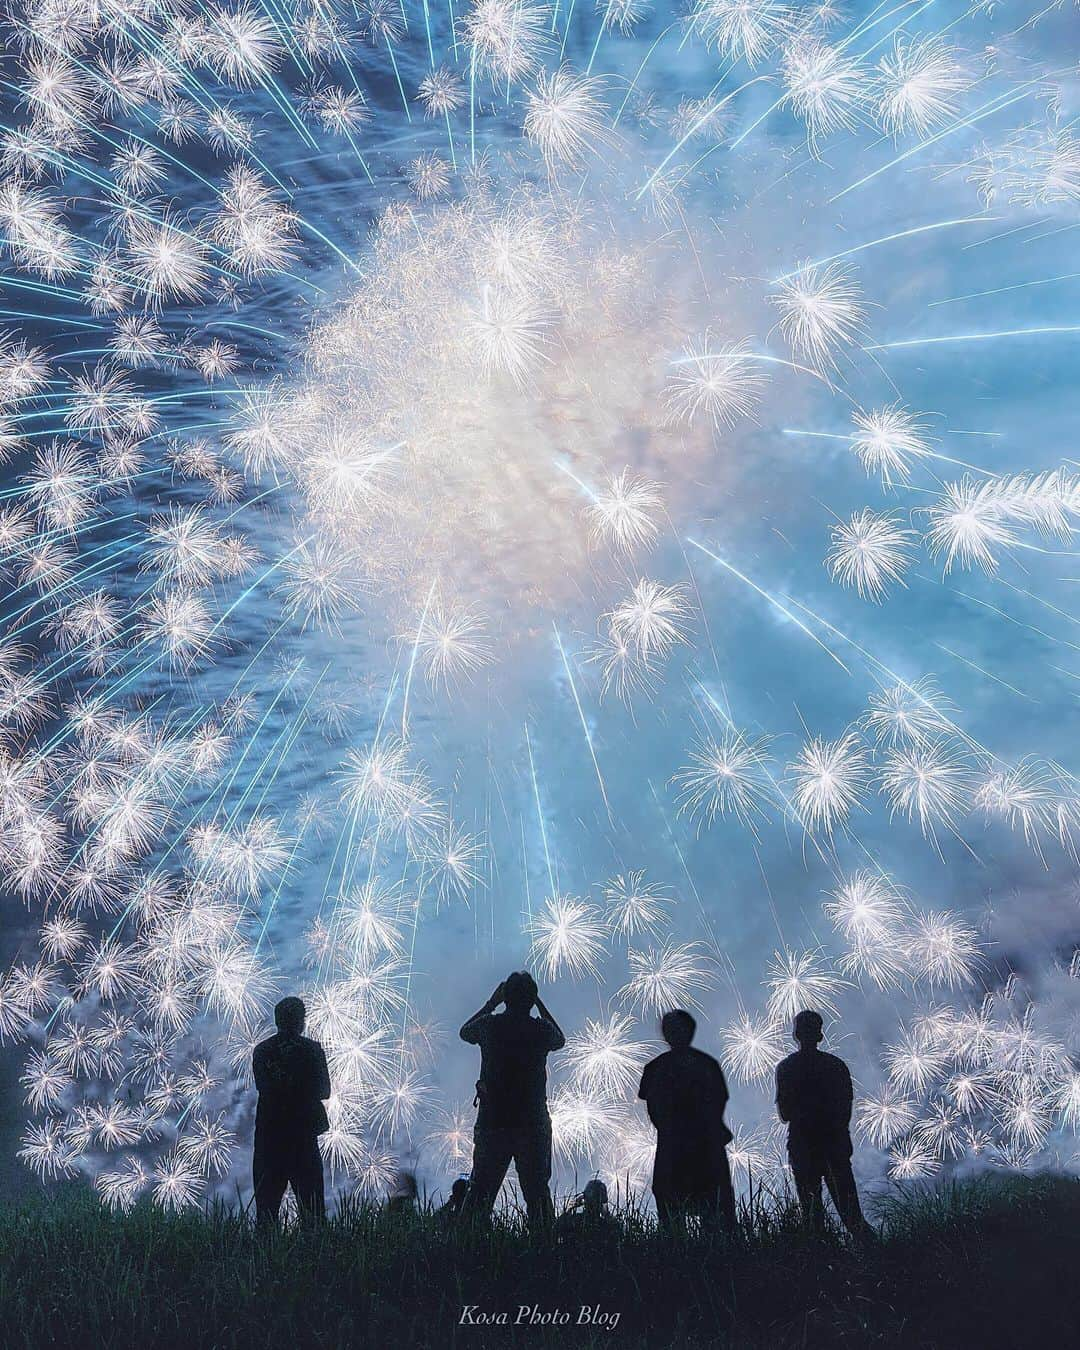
(536,482)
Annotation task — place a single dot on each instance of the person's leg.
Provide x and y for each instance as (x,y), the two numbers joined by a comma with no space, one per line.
(674,1206)
(845,1196)
(667,1211)
(269,1177)
(725,1196)
(532,1161)
(807,1172)
(308,1182)
(706,1205)
(492,1150)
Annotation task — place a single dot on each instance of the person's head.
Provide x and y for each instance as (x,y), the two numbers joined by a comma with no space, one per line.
(403,1188)
(519,991)
(289,1016)
(808,1029)
(677,1028)
(459,1190)
(595,1195)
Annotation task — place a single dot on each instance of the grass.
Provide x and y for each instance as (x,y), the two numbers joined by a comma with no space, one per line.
(986,1264)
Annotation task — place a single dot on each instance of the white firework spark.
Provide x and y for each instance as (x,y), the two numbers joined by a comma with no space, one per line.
(828,778)
(929,782)
(370,920)
(507,38)
(441,92)
(870,551)
(622,515)
(623,672)
(885,1117)
(746,29)
(908,713)
(798,980)
(429,176)
(177,1183)
(378,779)
(727,777)
(652,620)
(508,335)
(918,86)
(568,936)
(824,87)
(968,526)
(718,381)
(752,1049)
(604,1058)
(670,976)
(1023,796)
(867,908)
(911,1160)
(457,859)
(634,905)
(565,117)
(451,642)
(452,1138)
(581,1124)
(944,950)
(913,1065)
(821,312)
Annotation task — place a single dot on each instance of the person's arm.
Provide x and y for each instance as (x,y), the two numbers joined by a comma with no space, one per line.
(648,1096)
(783,1096)
(322,1074)
(717,1104)
(720,1090)
(470,1031)
(258,1069)
(558,1040)
(846,1097)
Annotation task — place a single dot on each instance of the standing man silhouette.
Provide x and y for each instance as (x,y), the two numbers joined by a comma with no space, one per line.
(685,1094)
(512,1123)
(814,1098)
(293,1082)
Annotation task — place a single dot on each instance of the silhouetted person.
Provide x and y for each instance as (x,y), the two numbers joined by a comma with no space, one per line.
(402,1197)
(447,1215)
(293,1082)
(512,1123)
(590,1216)
(685,1093)
(814,1097)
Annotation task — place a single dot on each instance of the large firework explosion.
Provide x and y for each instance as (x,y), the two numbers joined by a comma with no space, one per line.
(552,483)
